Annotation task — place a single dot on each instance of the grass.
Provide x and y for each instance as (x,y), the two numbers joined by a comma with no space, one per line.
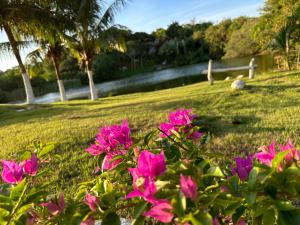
(238,120)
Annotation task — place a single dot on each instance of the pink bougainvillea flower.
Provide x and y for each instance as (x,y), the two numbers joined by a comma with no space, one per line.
(267,154)
(89,221)
(94,149)
(109,162)
(30,166)
(167,129)
(188,187)
(110,139)
(243,167)
(114,137)
(197,135)
(161,211)
(12,172)
(57,207)
(151,165)
(293,153)
(142,186)
(224,189)
(215,221)
(181,117)
(91,201)
(32,218)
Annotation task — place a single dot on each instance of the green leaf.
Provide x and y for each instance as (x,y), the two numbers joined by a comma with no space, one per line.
(22,210)
(231,208)
(161,184)
(46,149)
(149,137)
(5,200)
(179,204)
(289,217)
(237,215)
(269,217)
(18,190)
(278,159)
(111,219)
(284,205)
(215,171)
(108,187)
(202,219)
(252,178)
(250,197)
(139,221)
(175,133)
(138,210)
(58,157)
(173,154)
(35,196)
(25,155)
(3,213)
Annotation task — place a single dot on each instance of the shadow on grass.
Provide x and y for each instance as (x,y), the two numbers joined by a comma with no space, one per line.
(20,114)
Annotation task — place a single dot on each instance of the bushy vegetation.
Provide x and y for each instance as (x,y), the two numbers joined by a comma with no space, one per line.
(164,177)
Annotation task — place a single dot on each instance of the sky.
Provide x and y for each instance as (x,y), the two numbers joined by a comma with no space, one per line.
(148,15)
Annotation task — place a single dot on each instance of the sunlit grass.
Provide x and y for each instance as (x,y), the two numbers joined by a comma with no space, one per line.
(238,120)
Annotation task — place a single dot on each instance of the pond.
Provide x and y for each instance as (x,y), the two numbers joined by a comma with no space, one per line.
(163,79)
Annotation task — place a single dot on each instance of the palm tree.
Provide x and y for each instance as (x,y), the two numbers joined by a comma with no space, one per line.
(52,48)
(21,14)
(94,33)
(283,38)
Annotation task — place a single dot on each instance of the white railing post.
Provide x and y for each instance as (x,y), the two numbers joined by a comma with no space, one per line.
(252,69)
(209,73)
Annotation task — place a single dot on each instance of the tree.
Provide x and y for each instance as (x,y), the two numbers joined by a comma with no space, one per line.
(52,47)
(15,16)
(94,33)
(217,36)
(241,42)
(276,15)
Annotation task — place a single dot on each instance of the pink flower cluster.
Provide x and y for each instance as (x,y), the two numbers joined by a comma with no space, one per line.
(177,119)
(149,167)
(13,172)
(268,153)
(111,140)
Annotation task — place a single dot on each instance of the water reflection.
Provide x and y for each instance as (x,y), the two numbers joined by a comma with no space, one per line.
(162,79)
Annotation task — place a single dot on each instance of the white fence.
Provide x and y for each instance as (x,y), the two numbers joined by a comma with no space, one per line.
(251,67)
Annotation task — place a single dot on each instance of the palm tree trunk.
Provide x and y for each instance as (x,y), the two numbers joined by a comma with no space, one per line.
(93,90)
(26,80)
(62,92)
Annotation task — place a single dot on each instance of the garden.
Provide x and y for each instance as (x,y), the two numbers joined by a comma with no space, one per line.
(151,166)
(183,151)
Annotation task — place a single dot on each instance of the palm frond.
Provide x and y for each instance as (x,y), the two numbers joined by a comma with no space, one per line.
(107,18)
(6,46)
(34,56)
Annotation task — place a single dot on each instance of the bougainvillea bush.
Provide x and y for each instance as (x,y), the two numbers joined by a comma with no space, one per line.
(166,177)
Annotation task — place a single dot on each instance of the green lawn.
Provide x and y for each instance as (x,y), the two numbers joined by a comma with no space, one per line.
(238,120)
